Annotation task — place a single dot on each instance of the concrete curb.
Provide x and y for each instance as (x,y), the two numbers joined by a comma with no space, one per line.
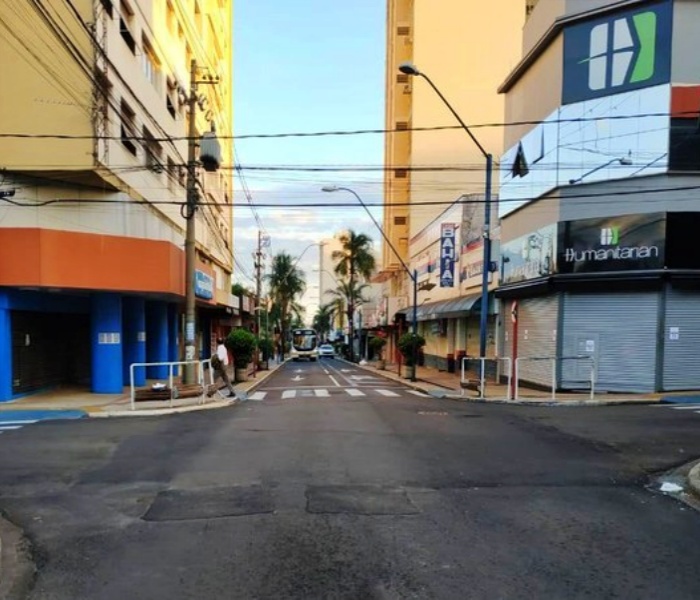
(694,480)
(158,412)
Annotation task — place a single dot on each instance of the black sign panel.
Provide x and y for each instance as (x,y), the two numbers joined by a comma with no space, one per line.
(623,243)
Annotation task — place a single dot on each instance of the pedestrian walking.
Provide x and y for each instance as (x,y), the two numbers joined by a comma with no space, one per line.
(219,363)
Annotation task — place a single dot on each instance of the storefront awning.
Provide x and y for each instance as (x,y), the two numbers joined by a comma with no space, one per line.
(447,309)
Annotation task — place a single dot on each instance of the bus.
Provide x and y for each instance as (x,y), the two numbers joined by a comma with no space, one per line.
(304,344)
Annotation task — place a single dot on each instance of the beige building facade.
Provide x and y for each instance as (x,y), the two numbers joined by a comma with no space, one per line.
(94,164)
(465,49)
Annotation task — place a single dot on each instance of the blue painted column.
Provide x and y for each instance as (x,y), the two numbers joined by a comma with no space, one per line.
(157,339)
(134,319)
(5,349)
(106,341)
(174,331)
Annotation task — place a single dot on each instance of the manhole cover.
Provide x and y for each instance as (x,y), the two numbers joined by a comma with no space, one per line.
(359,500)
(183,505)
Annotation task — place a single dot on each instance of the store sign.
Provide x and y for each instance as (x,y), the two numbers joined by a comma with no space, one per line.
(624,243)
(448,254)
(618,53)
(203,285)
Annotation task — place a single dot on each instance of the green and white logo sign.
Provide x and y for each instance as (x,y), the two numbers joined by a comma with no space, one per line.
(618,53)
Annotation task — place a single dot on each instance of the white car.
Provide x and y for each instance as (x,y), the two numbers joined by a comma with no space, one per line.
(326,350)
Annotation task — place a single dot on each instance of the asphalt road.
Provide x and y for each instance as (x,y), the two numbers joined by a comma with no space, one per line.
(332,483)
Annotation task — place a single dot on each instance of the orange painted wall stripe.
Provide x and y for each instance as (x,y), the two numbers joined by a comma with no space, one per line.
(35,257)
(685,99)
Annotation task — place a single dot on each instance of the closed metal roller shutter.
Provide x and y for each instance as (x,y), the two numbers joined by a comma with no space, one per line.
(537,325)
(682,341)
(620,331)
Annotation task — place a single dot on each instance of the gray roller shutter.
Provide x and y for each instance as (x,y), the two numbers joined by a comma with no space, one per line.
(620,331)
(682,341)
(537,326)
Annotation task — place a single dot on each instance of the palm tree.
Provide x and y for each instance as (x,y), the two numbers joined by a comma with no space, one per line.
(286,282)
(323,319)
(354,259)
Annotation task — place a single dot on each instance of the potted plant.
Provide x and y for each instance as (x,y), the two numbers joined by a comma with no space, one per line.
(377,344)
(267,351)
(409,345)
(241,343)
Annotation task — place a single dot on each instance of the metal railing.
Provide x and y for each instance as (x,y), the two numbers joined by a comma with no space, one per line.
(204,365)
(553,360)
(464,381)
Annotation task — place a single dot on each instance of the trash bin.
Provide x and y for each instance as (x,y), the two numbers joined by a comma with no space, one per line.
(450,362)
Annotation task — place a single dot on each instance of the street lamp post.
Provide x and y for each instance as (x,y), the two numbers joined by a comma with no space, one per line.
(413,275)
(410,69)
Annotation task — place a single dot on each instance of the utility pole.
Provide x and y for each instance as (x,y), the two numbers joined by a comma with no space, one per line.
(189,210)
(258,286)
(189,214)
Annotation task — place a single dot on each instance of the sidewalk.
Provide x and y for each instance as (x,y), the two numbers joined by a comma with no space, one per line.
(79,400)
(442,384)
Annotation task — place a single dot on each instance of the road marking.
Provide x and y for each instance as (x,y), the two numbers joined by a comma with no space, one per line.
(686,407)
(355,392)
(289,394)
(257,396)
(7,427)
(363,377)
(298,378)
(386,392)
(334,380)
(418,393)
(18,422)
(321,393)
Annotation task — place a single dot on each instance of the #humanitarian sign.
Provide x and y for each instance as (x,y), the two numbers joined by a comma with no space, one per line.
(448,252)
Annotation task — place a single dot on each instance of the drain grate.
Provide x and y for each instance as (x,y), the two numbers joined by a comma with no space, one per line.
(184,505)
(359,500)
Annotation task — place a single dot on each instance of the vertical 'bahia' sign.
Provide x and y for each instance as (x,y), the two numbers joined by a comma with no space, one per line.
(448,252)
(622,51)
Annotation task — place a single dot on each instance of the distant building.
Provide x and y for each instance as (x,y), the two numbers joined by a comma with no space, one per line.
(93,112)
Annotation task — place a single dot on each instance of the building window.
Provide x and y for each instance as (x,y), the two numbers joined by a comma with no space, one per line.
(128,127)
(402,78)
(153,152)
(684,147)
(172,175)
(399,220)
(170,18)
(401,125)
(150,65)
(403,30)
(400,173)
(126,22)
(107,5)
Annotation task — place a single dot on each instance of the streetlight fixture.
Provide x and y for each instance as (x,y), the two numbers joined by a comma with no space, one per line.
(625,160)
(413,275)
(408,68)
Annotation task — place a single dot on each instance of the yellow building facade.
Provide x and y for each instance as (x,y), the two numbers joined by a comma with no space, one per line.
(465,49)
(93,166)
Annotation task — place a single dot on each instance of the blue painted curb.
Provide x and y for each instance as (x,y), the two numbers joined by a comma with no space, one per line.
(680,400)
(41,415)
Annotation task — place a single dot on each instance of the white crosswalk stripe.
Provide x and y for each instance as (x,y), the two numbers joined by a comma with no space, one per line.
(353,392)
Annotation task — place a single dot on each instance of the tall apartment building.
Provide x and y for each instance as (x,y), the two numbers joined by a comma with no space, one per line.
(464,47)
(93,161)
(600,206)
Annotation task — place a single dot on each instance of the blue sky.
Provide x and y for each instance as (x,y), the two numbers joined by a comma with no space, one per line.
(306,66)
